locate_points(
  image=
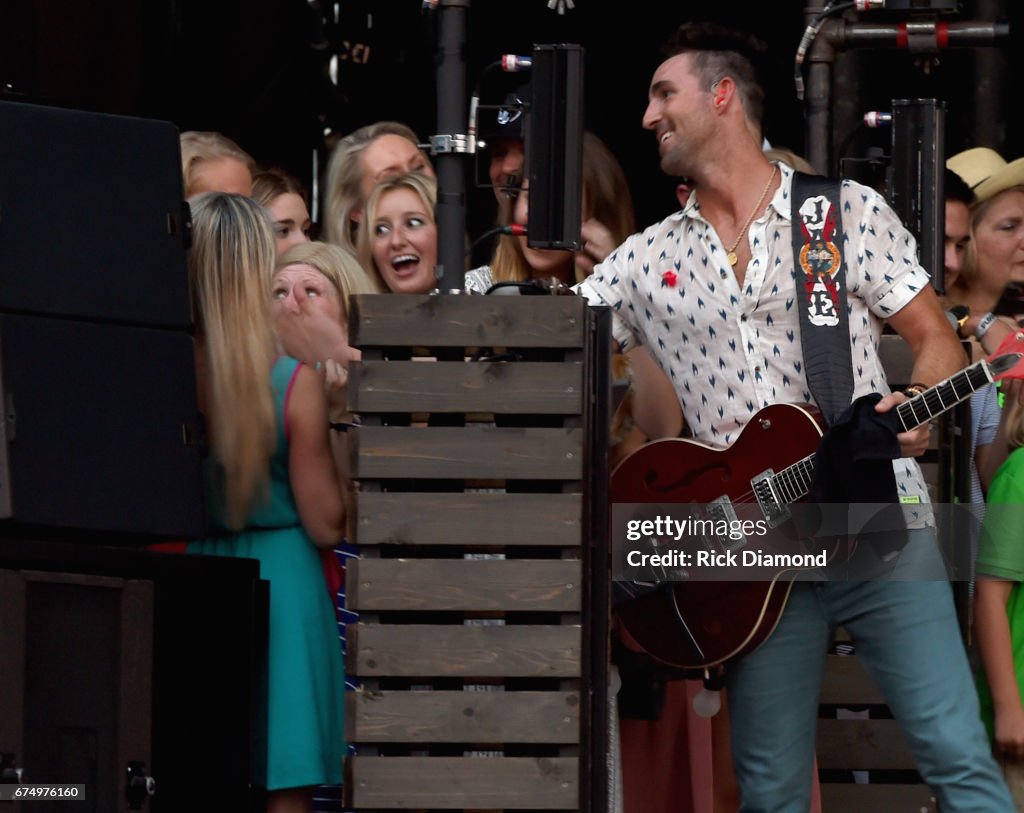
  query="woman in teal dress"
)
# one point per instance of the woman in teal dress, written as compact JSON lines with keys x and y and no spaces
{"x":272,"y":488}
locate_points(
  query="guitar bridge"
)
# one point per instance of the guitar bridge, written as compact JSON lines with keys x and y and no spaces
{"x":775,"y":510}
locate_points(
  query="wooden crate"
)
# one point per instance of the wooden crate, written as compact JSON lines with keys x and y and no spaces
{"x":481,"y":644}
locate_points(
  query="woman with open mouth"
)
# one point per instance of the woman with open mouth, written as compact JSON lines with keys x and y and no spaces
{"x":397,"y":239}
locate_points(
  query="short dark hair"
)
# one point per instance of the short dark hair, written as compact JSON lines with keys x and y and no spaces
{"x":722,"y":51}
{"x":957,"y":188}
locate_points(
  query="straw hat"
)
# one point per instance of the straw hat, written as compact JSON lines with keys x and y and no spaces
{"x":986,"y":172}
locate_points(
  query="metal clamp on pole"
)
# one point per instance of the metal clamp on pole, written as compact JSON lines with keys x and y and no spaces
{"x":456,"y":143}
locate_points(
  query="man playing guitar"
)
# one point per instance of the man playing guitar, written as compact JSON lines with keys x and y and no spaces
{"x":715,"y":294}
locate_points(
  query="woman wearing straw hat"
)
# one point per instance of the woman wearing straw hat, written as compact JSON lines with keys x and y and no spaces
{"x":994,"y":265}
{"x":992,"y":277}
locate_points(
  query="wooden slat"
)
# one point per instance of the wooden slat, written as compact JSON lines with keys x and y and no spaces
{"x":460,"y":584}
{"x":468,"y":717}
{"x":897,"y":360}
{"x":498,"y":453}
{"x":850,"y":798}
{"x":504,"y":388}
{"x":846,"y":681}
{"x":466,"y":321}
{"x":453,"y":783}
{"x":468,"y":519}
{"x":862,"y":745}
{"x":428,"y":650}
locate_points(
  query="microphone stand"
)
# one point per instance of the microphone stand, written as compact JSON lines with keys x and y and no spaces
{"x":449,"y":147}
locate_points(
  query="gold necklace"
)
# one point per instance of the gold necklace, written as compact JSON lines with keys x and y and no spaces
{"x":731,"y":255}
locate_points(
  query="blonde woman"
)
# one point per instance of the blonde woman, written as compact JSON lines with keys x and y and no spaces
{"x":310,"y":289}
{"x":397,"y":238}
{"x":359,"y":162}
{"x":272,"y":488}
{"x":994,"y":260}
{"x":211,"y":162}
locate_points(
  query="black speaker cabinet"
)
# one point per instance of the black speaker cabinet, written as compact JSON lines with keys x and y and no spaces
{"x":554,"y":147}
{"x":102,"y":429}
{"x":135,"y":674}
{"x":91,"y":217}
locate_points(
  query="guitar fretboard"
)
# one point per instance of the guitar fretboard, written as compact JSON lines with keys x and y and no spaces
{"x":793,"y":483}
{"x":944,"y":395}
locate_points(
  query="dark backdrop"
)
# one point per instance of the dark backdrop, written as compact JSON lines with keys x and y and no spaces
{"x":257,"y":70}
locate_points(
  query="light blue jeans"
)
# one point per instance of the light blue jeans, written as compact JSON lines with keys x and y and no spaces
{"x":906,"y":636}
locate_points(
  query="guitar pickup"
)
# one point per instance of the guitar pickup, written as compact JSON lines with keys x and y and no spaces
{"x":775,"y":511}
{"x":721,"y":510}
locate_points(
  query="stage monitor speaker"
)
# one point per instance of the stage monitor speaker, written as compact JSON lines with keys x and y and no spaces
{"x":101,"y":427}
{"x":917,"y":180}
{"x":92,"y":219}
{"x":554,"y":147}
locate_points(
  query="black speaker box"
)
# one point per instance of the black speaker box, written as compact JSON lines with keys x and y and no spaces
{"x":554,"y":147}
{"x":102,"y":428}
{"x":91,"y":217}
{"x":119,"y":658}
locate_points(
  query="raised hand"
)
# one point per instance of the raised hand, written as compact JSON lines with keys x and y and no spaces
{"x":598,"y":243}
{"x":311,"y":335}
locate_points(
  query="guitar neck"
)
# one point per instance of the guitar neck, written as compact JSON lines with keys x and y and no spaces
{"x":944,"y":396}
{"x":793,"y":483}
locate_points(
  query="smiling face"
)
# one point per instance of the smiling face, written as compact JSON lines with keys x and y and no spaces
{"x":404,"y":242}
{"x":999,"y":238}
{"x":679,"y":113}
{"x":299,"y":281}
{"x":291,"y":221}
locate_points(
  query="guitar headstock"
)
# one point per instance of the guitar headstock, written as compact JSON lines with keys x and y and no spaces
{"x":1008,"y":360}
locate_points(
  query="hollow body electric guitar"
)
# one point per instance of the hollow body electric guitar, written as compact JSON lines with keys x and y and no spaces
{"x":693,"y":624}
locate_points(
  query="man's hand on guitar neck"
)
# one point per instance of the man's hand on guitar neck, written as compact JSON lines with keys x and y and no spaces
{"x":915,"y":442}
{"x":937,"y":355}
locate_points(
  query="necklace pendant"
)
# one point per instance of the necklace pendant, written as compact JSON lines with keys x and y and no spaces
{"x":731,"y":257}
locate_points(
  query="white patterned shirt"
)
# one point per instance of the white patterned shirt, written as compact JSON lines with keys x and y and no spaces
{"x":731,"y":351}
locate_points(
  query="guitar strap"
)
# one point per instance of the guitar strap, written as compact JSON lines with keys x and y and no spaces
{"x":821,"y":292}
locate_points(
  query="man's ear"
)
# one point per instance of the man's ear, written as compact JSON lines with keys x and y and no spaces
{"x":724,"y":90}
